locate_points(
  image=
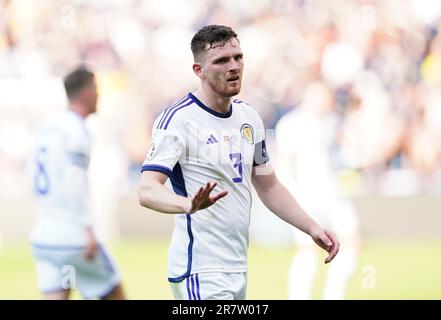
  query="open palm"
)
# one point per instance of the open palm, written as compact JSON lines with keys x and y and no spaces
{"x":202,"y":198}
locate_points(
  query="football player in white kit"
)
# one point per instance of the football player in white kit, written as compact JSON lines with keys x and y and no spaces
{"x":64,"y":245}
{"x":207,"y":141}
{"x":304,"y":141}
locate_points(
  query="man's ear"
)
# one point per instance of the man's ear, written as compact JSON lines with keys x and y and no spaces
{"x":198,"y":70}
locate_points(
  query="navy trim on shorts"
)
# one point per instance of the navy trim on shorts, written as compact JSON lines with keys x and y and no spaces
{"x":192,"y":287}
{"x":193,"y":290}
{"x":198,"y":290}
{"x":188,"y":288}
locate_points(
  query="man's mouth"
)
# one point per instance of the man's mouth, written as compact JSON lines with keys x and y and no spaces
{"x":231,"y":79}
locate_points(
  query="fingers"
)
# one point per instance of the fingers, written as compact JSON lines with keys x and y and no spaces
{"x":202,"y":193}
{"x":199,"y":193}
{"x":212,"y":187}
{"x":324,"y":242}
{"x":202,"y":199}
{"x":335,"y":247}
{"x":328,"y":243}
{"x":331,"y":255}
{"x":195,"y":201}
{"x":218,"y":196}
{"x":208,"y":188}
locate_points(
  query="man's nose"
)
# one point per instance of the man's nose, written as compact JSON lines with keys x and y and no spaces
{"x":233,"y":65}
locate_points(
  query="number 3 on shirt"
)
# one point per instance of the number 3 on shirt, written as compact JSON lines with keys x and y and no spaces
{"x":237,"y":159}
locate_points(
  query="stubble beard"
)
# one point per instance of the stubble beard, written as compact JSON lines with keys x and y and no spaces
{"x":228,"y":92}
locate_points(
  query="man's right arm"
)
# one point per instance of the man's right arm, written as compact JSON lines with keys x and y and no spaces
{"x":154,"y":195}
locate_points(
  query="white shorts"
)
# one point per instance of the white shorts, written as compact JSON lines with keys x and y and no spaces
{"x":211,"y":286}
{"x":62,"y":267}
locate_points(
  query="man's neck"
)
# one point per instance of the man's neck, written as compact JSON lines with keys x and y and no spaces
{"x":213,"y":101}
{"x":78,"y":109}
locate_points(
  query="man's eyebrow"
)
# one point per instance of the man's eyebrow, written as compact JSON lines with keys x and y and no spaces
{"x":227,"y":57}
{"x":221,"y":58}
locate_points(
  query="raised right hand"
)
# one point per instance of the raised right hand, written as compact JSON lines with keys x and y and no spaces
{"x":202,"y":200}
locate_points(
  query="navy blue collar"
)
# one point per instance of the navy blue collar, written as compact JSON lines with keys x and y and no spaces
{"x":214,"y":113}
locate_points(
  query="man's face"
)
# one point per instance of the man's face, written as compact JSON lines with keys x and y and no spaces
{"x":222,"y":68}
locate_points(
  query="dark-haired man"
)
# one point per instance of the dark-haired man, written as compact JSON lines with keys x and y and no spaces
{"x":207,"y":136}
{"x":67,"y":253}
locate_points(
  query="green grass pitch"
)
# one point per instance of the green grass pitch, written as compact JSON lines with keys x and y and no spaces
{"x":403,"y":270}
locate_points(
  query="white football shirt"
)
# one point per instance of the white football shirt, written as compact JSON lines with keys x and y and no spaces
{"x":58,"y":171}
{"x":306,"y":140}
{"x":194,"y":144}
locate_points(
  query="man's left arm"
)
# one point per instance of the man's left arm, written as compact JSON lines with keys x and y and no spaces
{"x":280,"y":201}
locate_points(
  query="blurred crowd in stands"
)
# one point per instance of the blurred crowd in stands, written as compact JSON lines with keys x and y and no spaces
{"x":379,"y":63}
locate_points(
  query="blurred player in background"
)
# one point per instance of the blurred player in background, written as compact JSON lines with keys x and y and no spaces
{"x":207,"y":136}
{"x":304,"y":139}
{"x":66,"y":250}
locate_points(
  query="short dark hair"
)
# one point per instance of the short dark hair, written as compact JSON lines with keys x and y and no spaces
{"x":76,"y":80}
{"x":214,"y":36}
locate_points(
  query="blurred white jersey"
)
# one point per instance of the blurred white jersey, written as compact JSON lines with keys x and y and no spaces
{"x":193,"y":144}
{"x":59,"y":176}
{"x":306,"y":141}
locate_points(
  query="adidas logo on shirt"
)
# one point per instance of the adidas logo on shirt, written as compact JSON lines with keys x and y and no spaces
{"x":212,"y":140}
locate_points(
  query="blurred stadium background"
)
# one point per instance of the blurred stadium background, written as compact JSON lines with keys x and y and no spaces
{"x":381,"y":59}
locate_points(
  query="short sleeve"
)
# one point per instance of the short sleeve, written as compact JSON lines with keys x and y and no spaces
{"x":165,"y":150}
